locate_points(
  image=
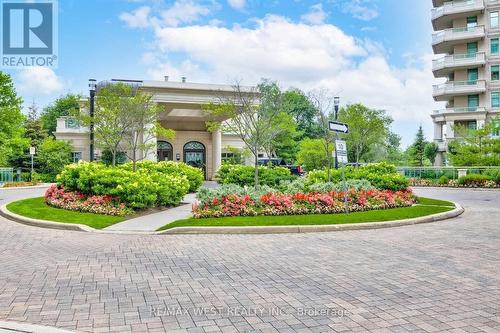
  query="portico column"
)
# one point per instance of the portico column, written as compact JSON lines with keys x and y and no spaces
{"x":450,"y":132}
{"x":216,"y":150}
{"x":438,"y":131}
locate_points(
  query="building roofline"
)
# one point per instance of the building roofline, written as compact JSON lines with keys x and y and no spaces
{"x":153,"y":84}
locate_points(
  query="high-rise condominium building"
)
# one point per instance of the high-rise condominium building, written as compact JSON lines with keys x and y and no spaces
{"x":467,"y":35}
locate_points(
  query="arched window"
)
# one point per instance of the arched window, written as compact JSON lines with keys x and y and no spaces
{"x":165,"y":151}
{"x":195,"y":155}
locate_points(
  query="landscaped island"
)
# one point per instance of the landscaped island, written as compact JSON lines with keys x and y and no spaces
{"x":98,"y":195}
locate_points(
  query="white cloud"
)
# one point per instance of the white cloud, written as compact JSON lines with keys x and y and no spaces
{"x":316,"y":15}
{"x":302,"y":55}
{"x":184,"y":11}
{"x":237,"y":4}
{"x":139,"y":18}
{"x":364,"y":10}
{"x":180,"y":12}
{"x":39,"y":80}
{"x":275,"y":47}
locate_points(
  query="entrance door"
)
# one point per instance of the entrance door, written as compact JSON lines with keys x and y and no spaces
{"x":165,"y":151}
{"x":195,"y":155}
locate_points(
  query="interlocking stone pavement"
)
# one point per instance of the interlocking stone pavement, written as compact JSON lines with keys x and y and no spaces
{"x":438,"y":277}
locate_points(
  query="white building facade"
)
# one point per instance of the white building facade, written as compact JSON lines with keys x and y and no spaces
{"x":193,"y":143}
{"x":467,"y":35}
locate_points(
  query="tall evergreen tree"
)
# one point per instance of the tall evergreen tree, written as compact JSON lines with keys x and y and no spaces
{"x":417,"y":151}
{"x":33,"y":125}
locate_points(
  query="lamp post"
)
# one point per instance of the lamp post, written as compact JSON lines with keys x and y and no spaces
{"x":336,"y":103}
{"x":92,"y":89}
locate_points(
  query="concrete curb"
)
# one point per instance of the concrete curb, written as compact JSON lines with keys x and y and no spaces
{"x":29,"y":328}
{"x":314,"y":228}
{"x":238,"y":230}
{"x":47,"y":185}
{"x":42,"y":223}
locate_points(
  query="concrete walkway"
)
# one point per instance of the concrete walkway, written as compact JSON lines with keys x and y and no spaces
{"x":154,"y":221}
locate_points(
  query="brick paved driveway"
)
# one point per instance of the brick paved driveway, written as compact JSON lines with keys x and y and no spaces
{"x":435,"y":277}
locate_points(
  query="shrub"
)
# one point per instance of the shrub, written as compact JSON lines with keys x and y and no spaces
{"x":295,"y":186}
{"x":494,"y":174}
{"x":53,"y":155}
{"x":206,"y":195}
{"x":244,"y":175}
{"x":194,"y":175}
{"x":443,"y":180}
{"x":137,"y":190}
{"x":474,"y":180}
{"x":381,"y":175}
{"x":356,"y":184}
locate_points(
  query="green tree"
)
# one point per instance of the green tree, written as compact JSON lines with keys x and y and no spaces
{"x":34,"y":134}
{"x":323,"y":102}
{"x":111,"y":124}
{"x":367,"y":128}
{"x":64,"y":106}
{"x":250,"y":118}
{"x":140,"y":116}
{"x":33,"y":125}
{"x":12,"y":143}
{"x":477,"y":148}
{"x":281,"y":142}
{"x":311,"y":155}
{"x":284,"y":144}
{"x":53,"y":155}
{"x":431,"y":151}
{"x":417,"y":150}
{"x":300,"y":107}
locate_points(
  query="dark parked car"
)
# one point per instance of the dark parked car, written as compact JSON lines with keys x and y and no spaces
{"x":294,"y":169}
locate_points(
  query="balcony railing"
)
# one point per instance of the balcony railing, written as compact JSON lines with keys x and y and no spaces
{"x":455,"y":110}
{"x":459,"y":87}
{"x":457,"y":34}
{"x":458,"y":60}
{"x":455,"y":7}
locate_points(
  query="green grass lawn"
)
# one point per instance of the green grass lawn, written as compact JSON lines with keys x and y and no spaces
{"x":434,"y":202}
{"x":36,"y":208}
{"x":429,"y":207}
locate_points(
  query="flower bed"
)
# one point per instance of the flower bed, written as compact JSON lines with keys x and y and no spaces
{"x":302,"y":203}
{"x":98,"y":204}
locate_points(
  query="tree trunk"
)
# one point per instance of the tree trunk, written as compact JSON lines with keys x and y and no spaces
{"x":114,"y":158}
{"x":256,"y":176}
{"x":134,"y":159}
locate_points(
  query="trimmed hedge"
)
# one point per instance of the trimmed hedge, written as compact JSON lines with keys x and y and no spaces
{"x":193,"y":175}
{"x":136,"y":190}
{"x":243,"y":175}
{"x":474,"y":180}
{"x":381,"y":175}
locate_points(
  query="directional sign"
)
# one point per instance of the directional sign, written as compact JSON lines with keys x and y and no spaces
{"x":335,"y":126}
{"x":341,"y":149}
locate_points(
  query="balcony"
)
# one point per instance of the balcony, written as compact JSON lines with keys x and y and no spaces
{"x":448,"y":64}
{"x":444,"y":40}
{"x":446,"y":91}
{"x":460,"y":110}
{"x":443,"y":16}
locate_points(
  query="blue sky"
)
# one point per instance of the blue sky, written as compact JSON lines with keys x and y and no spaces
{"x":372,"y":51}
